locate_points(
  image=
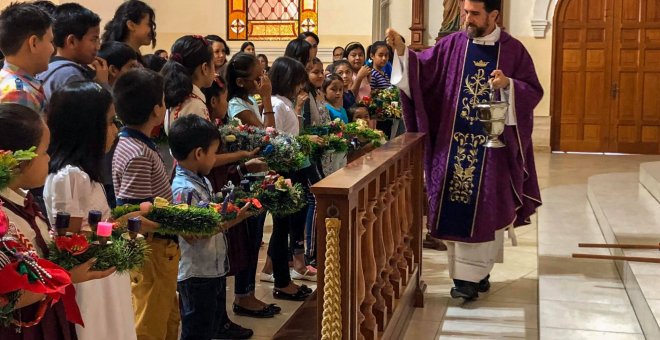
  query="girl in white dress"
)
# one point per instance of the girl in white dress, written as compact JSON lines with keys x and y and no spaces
{"x":82,"y":124}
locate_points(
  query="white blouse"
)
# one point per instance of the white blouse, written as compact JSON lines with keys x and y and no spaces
{"x":71,"y":190}
{"x":195,"y":104}
{"x":286,"y":119}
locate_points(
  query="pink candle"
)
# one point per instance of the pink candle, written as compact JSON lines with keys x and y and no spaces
{"x":104,"y":229}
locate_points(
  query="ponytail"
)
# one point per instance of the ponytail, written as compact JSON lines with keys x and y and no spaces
{"x":188,"y":53}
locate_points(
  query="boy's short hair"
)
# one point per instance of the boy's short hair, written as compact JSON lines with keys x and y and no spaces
{"x":72,"y":18}
{"x":117,"y":53}
{"x":18,"y":22}
{"x":189,"y":133}
{"x":136,"y":94}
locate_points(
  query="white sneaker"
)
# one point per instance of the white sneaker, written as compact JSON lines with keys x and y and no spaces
{"x":308,"y":276}
{"x":265,"y":277}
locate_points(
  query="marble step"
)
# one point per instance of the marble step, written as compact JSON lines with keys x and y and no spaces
{"x":649,"y":177}
{"x":578,"y":299}
{"x":628,"y":213}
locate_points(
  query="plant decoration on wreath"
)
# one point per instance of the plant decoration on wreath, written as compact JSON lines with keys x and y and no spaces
{"x":383,"y":103}
{"x":280,"y":151}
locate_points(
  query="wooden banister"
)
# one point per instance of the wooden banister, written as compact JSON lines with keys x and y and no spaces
{"x":378,"y":200}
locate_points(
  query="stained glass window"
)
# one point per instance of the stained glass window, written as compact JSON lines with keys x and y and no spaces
{"x":271,"y":19}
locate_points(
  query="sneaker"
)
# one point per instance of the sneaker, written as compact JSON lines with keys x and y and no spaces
{"x":265,"y":277}
{"x":307,"y":276}
{"x":233,"y":331}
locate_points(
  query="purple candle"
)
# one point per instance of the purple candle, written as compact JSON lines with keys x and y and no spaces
{"x":134,"y":225}
{"x":245,"y":184}
{"x":270,"y":187}
{"x":62,"y":220}
{"x":93,"y":218}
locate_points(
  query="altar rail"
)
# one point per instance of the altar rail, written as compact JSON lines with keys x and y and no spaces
{"x":373,"y":282}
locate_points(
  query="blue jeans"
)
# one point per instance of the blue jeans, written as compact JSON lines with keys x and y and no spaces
{"x":202,"y":302}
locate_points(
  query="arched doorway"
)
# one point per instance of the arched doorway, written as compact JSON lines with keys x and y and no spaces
{"x":606,"y":76}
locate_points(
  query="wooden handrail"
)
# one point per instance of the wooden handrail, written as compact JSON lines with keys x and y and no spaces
{"x":378,"y":200}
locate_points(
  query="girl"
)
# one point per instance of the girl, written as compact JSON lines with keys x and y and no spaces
{"x":220,"y":53}
{"x":337,"y":54}
{"x":380,"y":54}
{"x":343,"y":69}
{"x":313,"y":41}
{"x":263,"y":60}
{"x":189,"y":69}
{"x":134,"y":23}
{"x":153,"y":62}
{"x":289,"y":77}
{"x":246,"y":77}
{"x":82,"y":131}
{"x":355,"y":53}
{"x":299,"y":49}
{"x":21,"y":129}
{"x":216,"y":100}
{"x":314,"y":111}
{"x":248,"y":47}
{"x":333,"y":87}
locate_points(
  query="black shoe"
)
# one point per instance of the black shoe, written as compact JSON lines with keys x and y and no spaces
{"x":300,"y":295}
{"x":233,"y":331}
{"x":484,"y":285}
{"x":306,"y":289}
{"x":275,"y":308}
{"x":465,"y":289}
{"x":266,"y":312}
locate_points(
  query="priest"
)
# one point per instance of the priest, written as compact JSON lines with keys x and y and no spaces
{"x":475,"y":193}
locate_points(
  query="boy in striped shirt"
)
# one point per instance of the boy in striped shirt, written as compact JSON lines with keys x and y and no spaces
{"x":139,"y":175}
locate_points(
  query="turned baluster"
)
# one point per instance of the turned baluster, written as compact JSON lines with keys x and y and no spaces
{"x":393,"y":208}
{"x":369,"y":327}
{"x":380,"y":307}
{"x":388,"y":290}
{"x":403,"y":221}
{"x":409,"y":223}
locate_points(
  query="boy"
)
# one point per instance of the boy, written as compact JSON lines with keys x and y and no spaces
{"x":139,"y":175}
{"x":202,"y":284}
{"x":26,"y":41}
{"x":120,"y":58}
{"x":76,"y":34}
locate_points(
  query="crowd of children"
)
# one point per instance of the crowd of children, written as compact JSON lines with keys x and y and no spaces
{"x":91,"y":103}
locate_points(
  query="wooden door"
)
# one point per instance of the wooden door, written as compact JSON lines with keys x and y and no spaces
{"x":606,"y":77}
{"x":635,"y":113}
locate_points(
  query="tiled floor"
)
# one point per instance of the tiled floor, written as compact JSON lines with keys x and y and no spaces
{"x":510,"y":309}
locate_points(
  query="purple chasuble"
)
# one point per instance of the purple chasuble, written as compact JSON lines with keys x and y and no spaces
{"x":508,"y":190}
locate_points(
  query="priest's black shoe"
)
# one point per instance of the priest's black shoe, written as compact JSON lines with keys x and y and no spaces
{"x":484,"y":285}
{"x":465,"y":290}
{"x":233,"y":331}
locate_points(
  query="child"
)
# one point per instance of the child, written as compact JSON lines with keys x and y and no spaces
{"x":248,"y":47}
{"x":379,"y":54}
{"x":76,"y":32}
{"x":26,"y":40}
{"x":313,"y":41}
{"x":314,"y":111}
{"x":202,"y":284}
{"x":189,"y":69}
{"x":139,"y":175}
{"x":343,"y":69}
{"x":216,"y":100}
{"x":23,"y":128}
{"x":81,"y":121}
{"x":355,"y":53}
{"x":289,"y":77}
{"x":299,"y":49}
{"x":162,"y":54}
{"x":153,"y":62}
{"x":333,"y":87}
{"x":120,"y":58}
{"x":134,"y":23}
{"x":263,"y":60}
{"x":246,"y":77}
{"x":220,"y":53}
{"x":337,"y":54}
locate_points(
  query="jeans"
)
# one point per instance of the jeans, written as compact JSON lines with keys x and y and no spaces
{"x":313,"y":176}
{"x":203,"y":307}
{"x":245,"y":280}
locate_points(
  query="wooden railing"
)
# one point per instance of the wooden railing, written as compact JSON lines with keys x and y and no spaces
{"x":378,"y":202}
